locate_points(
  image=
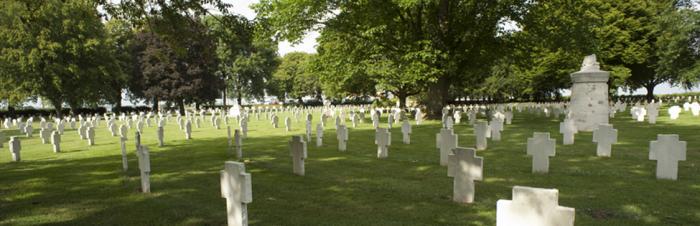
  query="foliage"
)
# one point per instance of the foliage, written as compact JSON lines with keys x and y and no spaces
{"x":294,"y":78}
{"x":445,"y":44}
{"x":57,"y":50}
{"x":175,"y":76}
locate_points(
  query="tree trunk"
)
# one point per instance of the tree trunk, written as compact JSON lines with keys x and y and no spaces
{"x":437,"y":98}
{"x":58,"y":105}
{"x":154,"y":107}
{"x":73,"y":109}
{"x":402,"y":100}
{"x":181,"y":106}
{"x":223,"y":96}
{"x":239,"y":97}
{"x":10,"y":111}
{"x":196,"y":106}
{"x":650,"y":91}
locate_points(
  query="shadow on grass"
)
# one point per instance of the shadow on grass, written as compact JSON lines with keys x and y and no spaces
{"x":352,"y":187}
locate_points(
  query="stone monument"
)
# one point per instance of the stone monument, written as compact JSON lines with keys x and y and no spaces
{"x":589,"y":95}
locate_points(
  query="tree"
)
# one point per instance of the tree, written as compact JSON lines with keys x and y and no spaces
{"x":456,"y":41}
{"x":57,"y":50}
{"x":120,"y":36}
{"x":294,"y":78}
{"x":246,"y":58}
{"x":340,"y":67}
{"x":177,"y":74}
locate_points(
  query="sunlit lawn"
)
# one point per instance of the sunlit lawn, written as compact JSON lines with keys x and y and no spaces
{"x":86,"y":186}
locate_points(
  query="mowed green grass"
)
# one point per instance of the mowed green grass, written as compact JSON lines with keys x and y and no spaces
{"x":85,"y":185}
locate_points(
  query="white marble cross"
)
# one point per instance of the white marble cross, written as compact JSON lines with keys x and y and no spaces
{"x":496,"y":125}
{"x":568,"y":129}
{"x":445,"y":141}
{"x":29,"y":130}
{"x":45,"y":135}
{"x":15,"y":148}
{"x":319,"y":135}
{"x":123,"y":131}
{"x":145,"y":167}
{"x":449,"y":123}
{"x":540,"y":147}
{"x":383,"y":141}
{"x":480,"y":131}
{"x":275,"y":121}
{"x":458,"y":117}
{"x":418,"y":116}
{"x":652,"y":112}
{"x":287,"y":124}
{"x":465,"y":167}
{"x":125,"y":161}
{"x":188,"y":129}
{"x":509,"y":117}
{"x":297,"y":149}
{"x":236,"y":188}
{"x":161,"y":135}
{"x":390,"y":119}
{"x":238,"y":143}
{"x":533,"y":207}
{"x":406,"y":131}
{"x":113,"y":129}
{"x":90,"y":131}
{"x":56,"y":141}
{"x":342,"y":136}
{"x":338,"y":121}
{"x":244,"y":127}
{"x":673,"y":112}
{"x":605,"y":136}
{"x":667,"y":150}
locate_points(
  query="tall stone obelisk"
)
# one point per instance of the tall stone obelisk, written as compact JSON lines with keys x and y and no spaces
{"x":589,"y":95}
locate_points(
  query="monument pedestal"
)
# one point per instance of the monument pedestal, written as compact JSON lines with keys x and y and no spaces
{"x":589,"y":96}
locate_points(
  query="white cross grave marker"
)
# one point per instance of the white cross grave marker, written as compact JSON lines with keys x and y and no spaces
{"x":480,"y":132}
{"x":236,"y":188}
{"x":319,"y":135}
{"x":567,"y":128}
{"x":540,"y":147}
{"x":605,"y":136}
{"x":56,"y":141}
{"x":15,"y":148}
{"x":383,"y":141}
{"x":667,"y":150}
{"x":297,"y":149}
{"x":465,"y":167}
{"x":533,"y":207}
{"x":406,"y":131}
{"x":90,"y":135}
{"x":445,"y":141}
{"x":342,"y":136}
{"x":238,"y":143}
{"x":145,"y":167}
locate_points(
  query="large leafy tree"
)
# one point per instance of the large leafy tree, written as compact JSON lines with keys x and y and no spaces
{"x":341,"y":69}
{"x":455,"y":41}
{"x":247,"y":59}
{"x":294,"y":78}
{"x":177,"y":74}
{"x":642,"y":42}
{"x":57,"y":50}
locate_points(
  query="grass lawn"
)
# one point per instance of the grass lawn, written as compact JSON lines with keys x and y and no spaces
{"x":86,"y":186}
